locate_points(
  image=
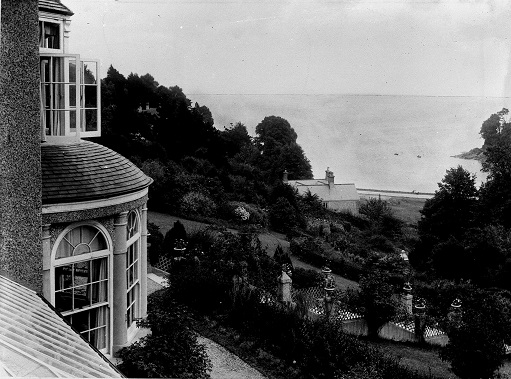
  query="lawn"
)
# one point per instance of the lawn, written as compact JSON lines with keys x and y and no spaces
{"x":406,"y":209}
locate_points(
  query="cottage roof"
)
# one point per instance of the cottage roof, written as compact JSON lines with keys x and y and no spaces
{"x":36,"y":342}
{"x":320,"y":187}
{"x":85,"y":171}
{"x":54,"y":6}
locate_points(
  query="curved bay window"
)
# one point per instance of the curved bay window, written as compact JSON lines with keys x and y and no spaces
{"x":133,"y":270}
{"x":81,"y":282}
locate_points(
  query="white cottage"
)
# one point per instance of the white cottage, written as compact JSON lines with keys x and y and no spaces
{"x":342,"y":197}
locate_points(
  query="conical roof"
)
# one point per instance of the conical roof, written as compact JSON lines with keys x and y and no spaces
{"x":84,"y":171}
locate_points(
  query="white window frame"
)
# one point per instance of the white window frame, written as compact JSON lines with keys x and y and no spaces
{"x":135,"y":239}
{"x":67,"y":107}
{"x":106,"y":253}
{"x":83,"y":132}
{"x":61,"y":35}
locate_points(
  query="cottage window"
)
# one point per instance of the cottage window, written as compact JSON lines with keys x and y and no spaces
{"x":81,"y":282}
{"x":132,"y":271}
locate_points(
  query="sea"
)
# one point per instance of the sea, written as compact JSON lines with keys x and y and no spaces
{"x":384,"y":142}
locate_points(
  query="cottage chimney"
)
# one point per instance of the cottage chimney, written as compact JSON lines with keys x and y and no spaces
{"x":284,"y":177}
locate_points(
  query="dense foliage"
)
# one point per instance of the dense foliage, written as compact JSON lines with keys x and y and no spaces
{"x":477,"y":334}
{"x":171,"y":349}
{"x":234,"y":282}
{"x":464,"y":231}
{"x":464,"y":251}
{"x":198,"y":170}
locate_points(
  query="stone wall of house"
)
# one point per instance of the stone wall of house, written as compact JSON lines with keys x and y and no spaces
{"x":344,"y":206}
{"x":20,"y":138}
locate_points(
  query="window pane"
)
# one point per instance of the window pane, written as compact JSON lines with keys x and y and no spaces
{"x":63,"y":278}
{"x":64,"y":250}
{"x":98,"y":317}
{"x":88,"y":233}
{"x":99,"y":292}
{"x":90,"y":72}
{"x":98,"y":243}
{"x":49,"y":35}
{"x":97,"y":338}
{"x":81,"y":249}
{"x":74,"y":236}
{"x":81,"y":273}
{"x":90,"y":120}
{"x":129,"y":258}
{"x":90,"y":96}
{"x":82,"y":297}
{"x":99,"y":269}
{"x":64,"y":300}
{"x":135,"y":251}
{"x":72,"y":95}
{"x":71,"y":69}
{"x":80,"y":321}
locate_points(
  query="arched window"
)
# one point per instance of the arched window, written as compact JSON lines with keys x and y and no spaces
{"x":133,"y":270}
{"x":81,"y":282}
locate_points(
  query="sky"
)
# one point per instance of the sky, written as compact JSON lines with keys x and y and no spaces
{"x":397,"y":47}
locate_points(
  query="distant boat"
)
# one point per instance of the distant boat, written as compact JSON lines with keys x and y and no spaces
{"x":396,"y":154}
{"x":418,"y":156}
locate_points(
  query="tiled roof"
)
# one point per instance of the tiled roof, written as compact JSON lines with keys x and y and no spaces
{"x":36,"y":342}
{"x":54,"y":6}
{"x":85,"y":171}
{"x":320,"y":187}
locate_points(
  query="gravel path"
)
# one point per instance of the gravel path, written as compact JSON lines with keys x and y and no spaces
{"x":227,"y":365}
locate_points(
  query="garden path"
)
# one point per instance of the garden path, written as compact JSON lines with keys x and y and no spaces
{"x":225,"y":364}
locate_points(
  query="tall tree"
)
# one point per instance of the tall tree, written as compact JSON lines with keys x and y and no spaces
{"x":276,"y":140}
{"x":453,"y":207}
{"x":495,"y":193}
{"x":493,"y":127}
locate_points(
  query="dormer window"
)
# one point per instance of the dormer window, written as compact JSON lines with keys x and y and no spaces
{"x":50,"y":35}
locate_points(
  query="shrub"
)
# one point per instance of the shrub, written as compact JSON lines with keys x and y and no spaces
{"x":306,"y":278}
{"x":283,"y":216}
{"x":381,"y":243}
{"x":197,"y":204}
{"x":171,"y":350}
{"x":256,"y":216}
{"x":311,"y":250}
{"x":176,"y":233}
{"x":476,"y":339}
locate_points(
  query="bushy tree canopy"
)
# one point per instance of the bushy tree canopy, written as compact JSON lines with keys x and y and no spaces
{"x":453,"y":207}
{"x":477,"y":336}
{"x":276,"y":140}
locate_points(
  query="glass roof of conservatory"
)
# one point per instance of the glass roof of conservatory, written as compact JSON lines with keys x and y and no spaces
{"x":36,"y":342}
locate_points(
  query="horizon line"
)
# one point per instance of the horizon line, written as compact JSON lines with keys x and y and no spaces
{"x":345,"y":94}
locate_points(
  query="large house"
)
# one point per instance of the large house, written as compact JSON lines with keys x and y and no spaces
{"x":337,"y":197}
{"x":73,"y":216}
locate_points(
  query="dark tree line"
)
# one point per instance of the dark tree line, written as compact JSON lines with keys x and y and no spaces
{"x":196,"y":167}
{"x":465,"y":231}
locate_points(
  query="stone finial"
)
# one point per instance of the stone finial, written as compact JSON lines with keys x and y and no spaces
{"x":285,"y":284}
